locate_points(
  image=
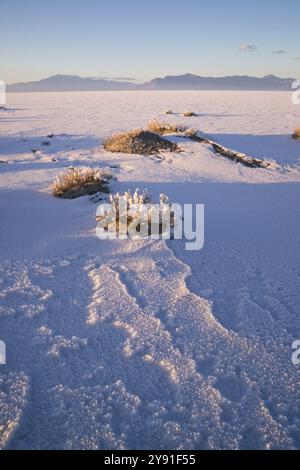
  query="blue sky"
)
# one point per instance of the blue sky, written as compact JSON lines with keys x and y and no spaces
{"x":146,"y":39}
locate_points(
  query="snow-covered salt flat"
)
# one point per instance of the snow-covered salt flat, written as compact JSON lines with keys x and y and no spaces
{"x":142,"y":344}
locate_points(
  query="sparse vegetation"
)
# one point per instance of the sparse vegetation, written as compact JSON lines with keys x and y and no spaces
{"x":140,"y":142}
{"x":166,"y":128}
{"x":135,"y":212}
{"x":162,"y":128}
{"x":80,"y":181}
{"x":193,"y":134}
{"x":169,"y":111}
{"x":147,"y":142}
{"x":190,"y":114}
{"x":296,"y":134}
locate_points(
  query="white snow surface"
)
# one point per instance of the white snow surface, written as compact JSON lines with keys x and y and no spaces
{"x":141,"y":344}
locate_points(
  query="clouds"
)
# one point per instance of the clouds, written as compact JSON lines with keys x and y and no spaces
{"x":282,"y":51}
{"x":244,"y":47}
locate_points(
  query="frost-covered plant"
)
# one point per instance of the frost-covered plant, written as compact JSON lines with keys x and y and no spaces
{"x":136,"y":209}
{"x":296,"y":134}
{"x":77,"y":178}
{"x":137,"y":198}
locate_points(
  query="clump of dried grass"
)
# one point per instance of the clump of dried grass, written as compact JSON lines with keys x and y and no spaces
{"x":189,"y":114}
{"x":296,"y":134}
{"x":139,"y":141}
{"x":191,"y":133}
{"x":80,"y":181}
{"x":166,"y":128}
{"x":161,"y":127}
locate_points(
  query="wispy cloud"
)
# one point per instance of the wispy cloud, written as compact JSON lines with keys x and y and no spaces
{"x":279,"y":51}
{"x":244,"y":47}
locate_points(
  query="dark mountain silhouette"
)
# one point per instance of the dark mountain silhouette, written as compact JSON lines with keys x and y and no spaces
{"x":176,"y":82}
{"x":236,"y":82}
{"x":70,"y":83}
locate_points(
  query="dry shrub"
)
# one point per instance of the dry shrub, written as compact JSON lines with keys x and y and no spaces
{"x":138,"y":141}
{"x":80,"y":181}
{"x":162,"y":128}
{"x":191,"y":133}
{"x":169,"y":111}
{"x":166,"y":128}
{"x":190,"y":114}
{"x":296,"y":134}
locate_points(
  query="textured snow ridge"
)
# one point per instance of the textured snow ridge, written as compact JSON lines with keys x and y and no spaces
{"x":213,"y":370}
{"x":133,"y":359}
{"x":130,"y":358}
{"x":13,"y":390}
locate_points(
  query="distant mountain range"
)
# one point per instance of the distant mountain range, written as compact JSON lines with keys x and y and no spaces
{"x":236,"y":82}
{"x":177,"y":82}
{"x":70,"y":83}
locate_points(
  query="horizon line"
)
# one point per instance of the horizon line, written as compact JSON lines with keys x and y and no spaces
{"x":137,"y":82}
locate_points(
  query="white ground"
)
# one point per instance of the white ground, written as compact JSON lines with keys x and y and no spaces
{"x":123,"y":344}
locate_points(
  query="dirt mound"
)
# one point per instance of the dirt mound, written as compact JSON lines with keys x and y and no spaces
{"x":139,"y":142}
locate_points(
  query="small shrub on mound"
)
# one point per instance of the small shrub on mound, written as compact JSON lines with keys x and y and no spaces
{"x":139,"y":142}
{"x":189,"y":114}
{"x":80,"y":181}
{"x":296,"y":134}
{"x":169,"y":111}
{"x":165,"y":128}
